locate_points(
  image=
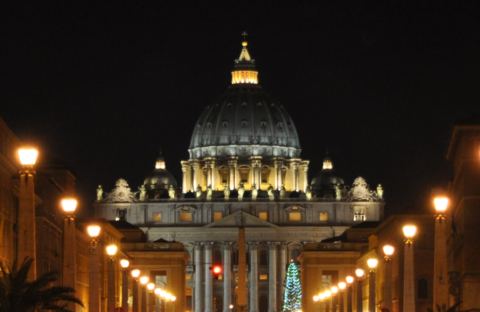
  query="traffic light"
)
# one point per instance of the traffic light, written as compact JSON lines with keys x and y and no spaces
{"x":217,"y":271}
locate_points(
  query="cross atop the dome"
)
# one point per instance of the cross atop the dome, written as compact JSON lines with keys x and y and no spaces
{"x":244,"y":42}
{"x":244,"y":69}
{"x":244,"y":55}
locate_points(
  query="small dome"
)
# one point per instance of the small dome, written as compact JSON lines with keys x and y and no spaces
{"x":159,"y":180}
{"x":326,"y":184}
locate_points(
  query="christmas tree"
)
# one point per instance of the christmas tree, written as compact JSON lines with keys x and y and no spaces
{"x":292,"y":298}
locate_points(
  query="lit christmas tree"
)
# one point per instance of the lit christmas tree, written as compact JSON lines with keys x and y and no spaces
{"x":292,"y":298}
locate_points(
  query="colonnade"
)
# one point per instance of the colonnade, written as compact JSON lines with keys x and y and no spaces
{"x":203,"y":277}
{"x":291,"y":174}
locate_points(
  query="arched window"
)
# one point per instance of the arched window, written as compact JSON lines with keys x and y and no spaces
{"x":323,"y":216}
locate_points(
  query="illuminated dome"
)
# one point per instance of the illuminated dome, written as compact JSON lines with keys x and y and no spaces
{"x":159,"y":181}
{"x":326,"y":184}
{"x":245,"y":121}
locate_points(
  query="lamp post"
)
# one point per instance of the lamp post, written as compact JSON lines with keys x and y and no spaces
{"x":135,"y":275}
{"x":111,"y":251}
{"x":359,"y":273}
{"x":342,"y":286}
{"x":124,"y":264}
{"x":150,"y":289}
{"x":93,"y":231}
{"x":349,"y":279}
{"x":327,"y":300}
{"x":27,"y":157}
{"x":144,"y":279}
{"x":440,"y":280}
{"x":372,"y":264}
{"x":409,"y":232}
{"x":334,"y":291}
{"x":69,"y":276}
{"x":388,"y":251}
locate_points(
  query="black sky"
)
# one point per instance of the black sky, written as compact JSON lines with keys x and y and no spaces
{"x":100,"y":87}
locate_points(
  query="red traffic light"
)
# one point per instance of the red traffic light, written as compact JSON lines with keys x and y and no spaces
{"x":217,"y":269}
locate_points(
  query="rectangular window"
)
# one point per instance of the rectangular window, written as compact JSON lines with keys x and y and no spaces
{"x":263,"y":215}
{"x":323,"y":216}
{"x":186,"y":216}
{"x":157,"y":217}
{"x":263,"y":277}
{"x":295,"y":216}
{"x":217,"y":215}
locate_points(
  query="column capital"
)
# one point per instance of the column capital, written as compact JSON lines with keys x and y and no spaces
{"x":253,"y":245}
{"x":273,"y":244}
{"x":227,"y":245}
{"x":208,"y":245}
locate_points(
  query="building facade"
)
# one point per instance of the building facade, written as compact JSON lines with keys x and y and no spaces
{"x":244,"y":170}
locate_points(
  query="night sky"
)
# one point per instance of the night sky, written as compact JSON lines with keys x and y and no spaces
{"x":101,"y":87}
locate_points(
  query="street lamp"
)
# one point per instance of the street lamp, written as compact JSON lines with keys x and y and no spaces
{"x":135,"y":275}
{"x":69,"y":206}
{"x":93,"y":231}
{"x":372,"y":264}
{"x":388,"y":251}
{"x":409,"y":232}
{"x":27,"y":157}
{"x":341,"y":295}
{"x":440,"y":270}
{"x":327,"y":294}
{"x":359,"y":273}
{"x":111,"y":250}
{"x":334,"y":290}
{"x":150,"y":289}
{"x":349,"y":279}
{"x":124,"y":264}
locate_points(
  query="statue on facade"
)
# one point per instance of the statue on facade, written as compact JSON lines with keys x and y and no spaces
{"x":198,"y":191}
{"x":241,"y":191}
{"x":99,"y":193}
{"x":171,"y":192}
{"x":142,"y":193}
{"x":226,"y":191}
{"x":271,"y":195}
{"x":121,"y":193}
{"x":309,"y":194}
{"x":283,"y":192}
{"x":360,"y":191}
{"x":209,"y":192}
{"x":338,"y":192}
{"x":380,"y":191}
{"x":254,"y":192}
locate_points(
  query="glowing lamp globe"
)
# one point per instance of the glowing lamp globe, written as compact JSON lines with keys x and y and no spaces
{"x":327,"y":293}
{"x":342,"y":285}
{"x":230,"y":306}
{"x":349,"y":279}
{"x":388,"y":250}
{"x":158,"y":291}
{"x":334,"y":289}
{"x":372,"y":263}
{"x":27,"y":156}
{"x":124,"y":263}
{"x":409,"y":231}
{"x":150,"y":286}
{"x":360,"y":273}
{"x":135,"y":273}
{"x":440,"y":203}
{"x":111,"y":250}
{"x":69,"y":205}
{"x":316,"y":298}
{"x":144,"y":280}
{"x":93,"y":230}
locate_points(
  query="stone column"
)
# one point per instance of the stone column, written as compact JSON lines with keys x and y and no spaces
{"x":208,"y":278}
{"x":272,"y":277}
{"x":198,"y":295}
{"x":283,"y":267}
{"x":187,"y":176}
{"x":440,"y":276}
{"x":303,"y":176}
{"x":408,"y":278}
{"x":197,"y":174}
{"x":294,"y":169}
{"x":232,"y":171}
{"x":253,"y":278}
{"x":277,"y":167}
{"x":256,"y":165}
{"x":227,"y":276}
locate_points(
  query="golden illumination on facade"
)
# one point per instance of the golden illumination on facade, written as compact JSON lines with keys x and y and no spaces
{"x":217,"y":215}
{"x":295,"y":216}
{"x":244,"y":76}
{"x":186,"y":216}
{"x":263,"y":215}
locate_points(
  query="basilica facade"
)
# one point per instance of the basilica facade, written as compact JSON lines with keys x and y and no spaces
{"x":245,"y":169}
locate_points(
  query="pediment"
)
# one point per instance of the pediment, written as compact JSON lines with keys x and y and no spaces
{"x":241,"y":218}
